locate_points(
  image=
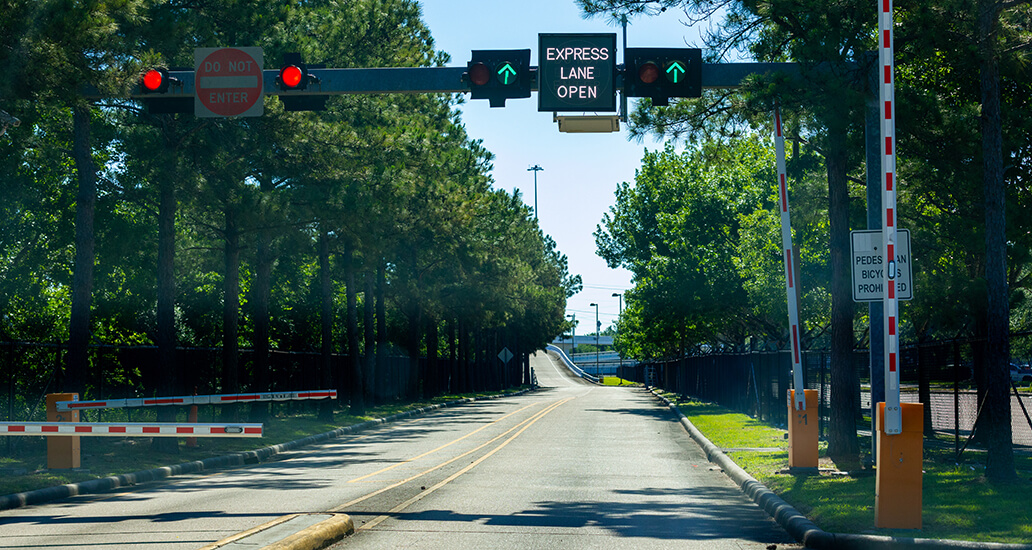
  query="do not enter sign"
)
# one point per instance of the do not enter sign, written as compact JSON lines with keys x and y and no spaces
{"x":228,"y":82}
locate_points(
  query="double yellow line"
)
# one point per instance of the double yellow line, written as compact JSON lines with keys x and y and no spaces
{"x":518,"y":429}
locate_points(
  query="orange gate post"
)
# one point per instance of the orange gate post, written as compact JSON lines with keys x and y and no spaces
{"x":802,"y":432}
{"x":62,"y":450}
{"x":897,"y":490}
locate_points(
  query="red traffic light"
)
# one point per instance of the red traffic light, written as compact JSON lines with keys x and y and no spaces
{"x":479,"y":74}
{"x":155,"y":81}
{"x":292,"y":77}
{"x":648,"y":72}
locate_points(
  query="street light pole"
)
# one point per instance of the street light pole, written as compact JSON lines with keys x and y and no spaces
{"x":536,"y":168}
{"x":573,"y":331}
{"x":598,"y":329}
{"x":618,"y":319}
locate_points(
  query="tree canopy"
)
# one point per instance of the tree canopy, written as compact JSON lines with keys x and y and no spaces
{"x":218,"y":232}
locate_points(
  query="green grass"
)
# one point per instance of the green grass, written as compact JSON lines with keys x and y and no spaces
{"x":615,"y":381}
{"x":106,"y":456}
{"x":958,"y":502}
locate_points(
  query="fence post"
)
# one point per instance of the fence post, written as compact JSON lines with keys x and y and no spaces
{"x":822,"y":396}
{"x":956,"y":396}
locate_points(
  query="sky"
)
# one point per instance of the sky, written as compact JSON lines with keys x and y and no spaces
{"x":580,"y":171}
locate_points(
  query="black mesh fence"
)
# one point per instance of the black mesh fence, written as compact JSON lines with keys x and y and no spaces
{"x":29,"y":371}
{"x":938,"y":374}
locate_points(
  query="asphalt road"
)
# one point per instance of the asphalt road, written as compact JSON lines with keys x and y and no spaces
{"x":569,"y":466}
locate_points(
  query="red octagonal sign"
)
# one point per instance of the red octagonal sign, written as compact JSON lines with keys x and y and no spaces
{"x":228,"y":82}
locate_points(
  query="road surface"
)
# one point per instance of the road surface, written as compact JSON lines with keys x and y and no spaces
{"x":569,"y":466}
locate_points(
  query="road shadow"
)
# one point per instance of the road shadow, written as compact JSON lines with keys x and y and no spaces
{"x":690,"y":514}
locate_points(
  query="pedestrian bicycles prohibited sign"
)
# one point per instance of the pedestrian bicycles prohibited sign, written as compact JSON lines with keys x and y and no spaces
{"x":868,"y":261}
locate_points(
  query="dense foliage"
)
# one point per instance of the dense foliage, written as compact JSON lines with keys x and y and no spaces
{"x":962,"y":83}
{"x":370,"y":229}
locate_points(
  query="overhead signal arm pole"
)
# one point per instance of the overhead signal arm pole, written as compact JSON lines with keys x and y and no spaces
{"x":424,"y":80}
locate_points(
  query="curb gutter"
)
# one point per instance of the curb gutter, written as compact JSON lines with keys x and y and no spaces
{"x":103,"y":485}
{"x":799,"y":526}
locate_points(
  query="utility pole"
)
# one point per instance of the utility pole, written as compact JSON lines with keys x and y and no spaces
{"x":618,"y":319}
{"x":598,"y":328}
{"x":536,"y":168}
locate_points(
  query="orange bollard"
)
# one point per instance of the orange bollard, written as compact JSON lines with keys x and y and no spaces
{"x":897,"y":500}
{"x":63,"y":451}
{"x":802,"y":432}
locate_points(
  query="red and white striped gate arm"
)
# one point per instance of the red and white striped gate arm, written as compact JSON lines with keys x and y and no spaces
{"x":893,"y":415}
{"x":195,"y":400}
{"x":131,"y":429}
{"x":791,"y":277}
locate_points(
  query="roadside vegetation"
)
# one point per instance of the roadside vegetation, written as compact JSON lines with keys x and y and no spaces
{"x":959,"y":502}
{"x":699,"y":227}
{"x":149,"y":252}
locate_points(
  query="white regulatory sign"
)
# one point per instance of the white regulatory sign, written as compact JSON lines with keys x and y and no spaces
{"x":868,"y":262}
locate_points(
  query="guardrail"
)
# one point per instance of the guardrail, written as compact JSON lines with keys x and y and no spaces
{"x":570,"y":364}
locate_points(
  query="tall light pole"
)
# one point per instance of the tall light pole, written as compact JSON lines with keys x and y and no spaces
{"x":618,"y":319}
{"x":598,"y":329}
{"x":536,"y":168}
{"x":573,"y":330}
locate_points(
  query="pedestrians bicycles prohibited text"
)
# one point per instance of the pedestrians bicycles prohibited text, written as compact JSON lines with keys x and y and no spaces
{"x":228,"y":82}
{"x":576,"y":72}
{"x":869,"y":266}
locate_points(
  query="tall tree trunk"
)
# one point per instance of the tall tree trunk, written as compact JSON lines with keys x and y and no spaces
{"x":82,"y":283}
{"x":383,"y":378}
{"x":434,"y":376}
{"x":415,"y":369}
{"x":231,"y":310}
{"x":354,"y":368}
{"x":453,"y":359}
{"x":262,"y":297}
{"x":464,"y":383}
{"x":369,"y":329}
{"x":843,"y":443}
{"x":168,"y":384}
{"x":1000,"y":464}
{"x":326,"y":318}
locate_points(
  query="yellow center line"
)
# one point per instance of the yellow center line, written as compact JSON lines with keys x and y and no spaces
{"x":526,"y":425}
{"x":446,"y":445}
{"x":527,"y":422}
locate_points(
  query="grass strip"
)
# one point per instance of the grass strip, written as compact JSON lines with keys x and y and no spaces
{"x":959,"y":503}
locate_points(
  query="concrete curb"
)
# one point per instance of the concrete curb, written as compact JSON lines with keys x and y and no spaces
{"x":103,"y":485}
{"x":318,"y":536}
{"x":799,"y":526}
{"x":314,"y":537}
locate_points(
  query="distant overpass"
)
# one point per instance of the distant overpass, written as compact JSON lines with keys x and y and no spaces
{"x":608,"y":361}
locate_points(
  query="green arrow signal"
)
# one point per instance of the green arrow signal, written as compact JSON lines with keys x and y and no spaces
{"x":675,"y":70}
{"x":506,"y":74}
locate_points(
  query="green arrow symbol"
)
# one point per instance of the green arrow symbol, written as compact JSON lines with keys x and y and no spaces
{"x":506,"y":72}
{"x":674,"y":71}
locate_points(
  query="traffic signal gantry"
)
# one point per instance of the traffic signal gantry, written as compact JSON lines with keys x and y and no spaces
{"x":575,"y":72}
{"x":295,"y":77}
{"x":497,"y":75}
{"x":662,"y":73}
